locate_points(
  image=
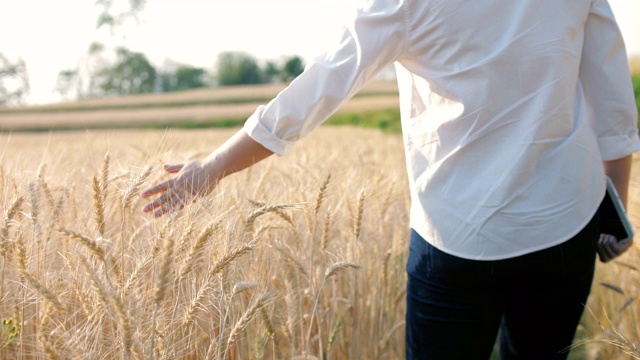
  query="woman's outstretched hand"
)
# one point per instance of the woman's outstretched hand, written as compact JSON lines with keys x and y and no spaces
{"x":192,"y":180}
{"x":198,"y":178}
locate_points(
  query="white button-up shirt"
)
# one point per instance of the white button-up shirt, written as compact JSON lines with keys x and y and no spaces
{"x":508,"y":109}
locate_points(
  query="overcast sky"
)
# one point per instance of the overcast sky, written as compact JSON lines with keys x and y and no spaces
{"x":52,"y":35}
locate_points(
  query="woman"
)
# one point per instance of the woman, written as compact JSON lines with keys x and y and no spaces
{"x":513,"y":113}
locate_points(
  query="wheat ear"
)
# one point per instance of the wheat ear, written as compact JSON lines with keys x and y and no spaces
{"x":135,"y":275}
{"x":97,"y":285}
{"x":324,"y":243}
{"x":16,"y":204}
{"x":334,"y":333}
{"x":357,"y":224}
{"x":263,"y":210}
{"x":332,"y":271}
{"x":293,"y":262}
{"x":35,"y":201}
{"x":104,"y":181}
{"x":321,"y":194}
{"x":125,"y":322}
{"x":134,"y":187}
{"x":91,"y":244}
{"x":43,"y":290}
{"x":196,"y":249}
{"x":229,"y":257}
{"x":98,"y":205}
{"x":193,"y":305}
{"x":165,"y":267}
{"x":247,"y":316}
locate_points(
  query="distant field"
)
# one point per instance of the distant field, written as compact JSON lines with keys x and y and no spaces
{"x":218,"y":107}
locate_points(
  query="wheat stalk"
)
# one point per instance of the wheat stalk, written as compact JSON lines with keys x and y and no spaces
{"x":162,"y":280}
{"x":104,"y":181}
{"x":334,"y":333}
{"x":21,"y":254}
{"x":229,"y":257}
{"x":293,"y":262}
{"x":332,"y":271}
{"x":133,"y":188}
{"x":43,"y":290}
{"x":35,"y":200}
{"x":193,"y":305}
{"x":247,"y":316}
{"x":339,"y":267}
{"x":135,"y":275}
{"x":185,"y":239}
{"x":242,"y":286}
{"x":13,"y":210}
{"x":264,"y":210}
{"x":50,"y":352}
{"x":357,"y":223}
{"x":124,"y":318}
{"x":165,"y":267}
{"x":321,"y":194}
{"x":196,"y":250}
{"x":284,"y":216}
{"x":324,"y":243}
{"x":91,"y":244}
{"x":99,"y":288}
{"x":99,"y":205}
{"x":267,"y":323}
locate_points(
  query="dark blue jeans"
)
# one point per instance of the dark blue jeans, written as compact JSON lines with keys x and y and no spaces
{"x":456,"y":306}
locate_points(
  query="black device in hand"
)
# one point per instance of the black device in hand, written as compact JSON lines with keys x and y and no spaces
{"x":613,"y":217}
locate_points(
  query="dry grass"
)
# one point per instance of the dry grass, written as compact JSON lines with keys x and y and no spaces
{"x":301,"y":258}
{"x":259,"y":270}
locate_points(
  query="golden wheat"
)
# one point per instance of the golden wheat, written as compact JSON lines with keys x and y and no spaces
{"x":94,"y":277}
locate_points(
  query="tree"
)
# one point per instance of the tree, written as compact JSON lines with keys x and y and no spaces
{"x":183,"y":77}
{"x":235,"y":68}
{"x":14,"y":82}
{"x":132,"y":74}
{"x":271,"y":72}
{"x":292,"y":68}
{"x":68,"y":82}
{"x":115,"y":13}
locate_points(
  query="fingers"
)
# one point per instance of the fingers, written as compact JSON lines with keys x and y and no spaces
{"x":604,"y":248}
{"x":172,"y":169}
{"x":168,"y":202}
{"x":172,"y":197}
{"x":609,"y":248}
{"x":160,"y":188}
{"x":169,"y":207}
{"x":620,"y":248}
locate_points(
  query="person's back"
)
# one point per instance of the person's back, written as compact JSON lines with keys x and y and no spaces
{"x":496,"y":122}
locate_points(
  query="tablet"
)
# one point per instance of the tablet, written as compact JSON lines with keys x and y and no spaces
{"x":613,"y":218}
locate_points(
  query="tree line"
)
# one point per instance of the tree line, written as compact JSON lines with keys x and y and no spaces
{"x":133,"y":73}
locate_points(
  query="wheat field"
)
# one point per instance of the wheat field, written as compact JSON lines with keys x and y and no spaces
{"x":295,"y":258}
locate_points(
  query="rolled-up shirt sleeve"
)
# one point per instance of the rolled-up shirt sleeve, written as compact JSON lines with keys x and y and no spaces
{"x":370,"y":43}
{"x":606,"y":82}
